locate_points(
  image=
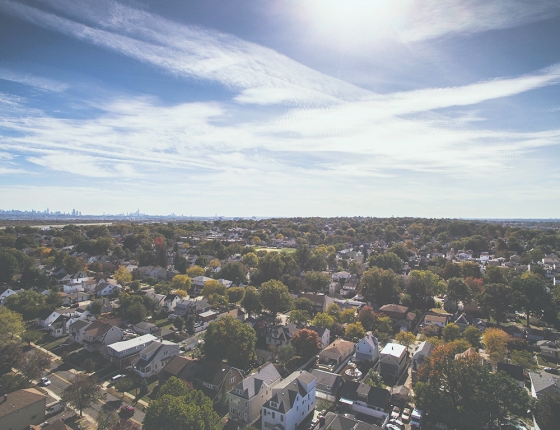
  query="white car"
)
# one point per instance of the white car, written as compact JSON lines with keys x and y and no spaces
{"x":45,"y":382}
{"x":116,"y":377}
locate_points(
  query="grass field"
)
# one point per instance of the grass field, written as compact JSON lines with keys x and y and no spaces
{"x":287,"y":250}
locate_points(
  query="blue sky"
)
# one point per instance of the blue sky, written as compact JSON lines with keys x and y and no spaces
{"x":281,"y":108}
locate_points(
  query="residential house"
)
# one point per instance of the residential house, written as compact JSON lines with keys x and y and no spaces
{"x":334,"y":421}
{"x":237,"y":313}
{"x":207,"y":317}
{"x":46,"y":318}
{"x":280,"y":335}
{"x":170,"y":302}
{"x":367,"y":349}
{"x":400,"y":315}
{"x":185,"y":307}
{"x":72,"y":288}
{"x":22,"y":408}
{"x":341,"y":276}
{"x":247,"y":398}
{"x":364,"y":399}
{"x":99,"y":334}
{"x":56,"y":425}
{"x":181,"y":367}
{"x":216,"y":379}
{"x":420,"y":353}
{"x":292,"y":401}
{"x":58,"y":328}
{"x":154,"y":357}
{"x":328,"y":384}
{"x":534,"y":335}
{"x":549,"y":348}
{"x":198,"y":284}
{"x":544,"y":383}
{"x":393,"y":361}
{"x":144,"y":327}
{"x":462,"y":322}
{"x":122,"y":353}
{"x":335,"y":354}
{"x":435,"y":320}
{"x":324,"y":335}
{"x":515,"y":331}
{"x":514,"y":372}
{"x":76,"y":330}
{"x":190,"y":343}
{"x":7,"y":293}
{"x":104,"y":289}
{"x":320,"y":301}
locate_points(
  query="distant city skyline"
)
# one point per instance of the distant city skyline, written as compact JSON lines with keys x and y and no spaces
{"x":317,"y":108}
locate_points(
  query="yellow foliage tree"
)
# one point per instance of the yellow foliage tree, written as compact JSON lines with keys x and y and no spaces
{"x":213,"y":287}
{"x":495,"y":341}
{"x":195,"y":271}
{"x":122,"y":275}
{"x":181,"y":293}
{"x":181,"y":282}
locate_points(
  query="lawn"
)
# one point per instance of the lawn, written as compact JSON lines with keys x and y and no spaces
{"x":51,"y":345}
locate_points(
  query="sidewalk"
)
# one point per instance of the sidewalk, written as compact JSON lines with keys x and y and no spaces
{"x":51,"y":354}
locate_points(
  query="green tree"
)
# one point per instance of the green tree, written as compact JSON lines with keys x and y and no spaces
{"x":123,"y":385}
{"x":389,"y":260}
{"x":354,"y":332}
{"x":368,"y":318}
{"x":88,"y":365}
{"x":405,"y":338}
{"x":8,"y":266}
{"x":306,"y":343}
{"x":194,"y":271}
{"x":473,"y":336}
{"x":251,"y":259}
{"x":235,"y":294}
{"x":229,"y":338}
{"x":251,"y":301}
{"x":82,"y":392}
{"x":496,"y":301}
{"x":458,"y":290}
{"x":213,"y":287}
{"x":380,"y":286}
{"x":304,"y":304}
{"x":334,"y":311}
{"x":451,"y":332}
{"x":285,"y":354}
{"x":27,"y":303}
{"x":96,"y":307}
{"x":525,"y":359}
{"x":233,"y":272}
{"x":33,"y":364}
{"x":31,"y":336}
{"x":275,"y":296}
{"x":547,"y":411}
{"x":178,"y":323}
{"x":373,"y":378}
{"x":106,"y":420}
{"x":422,"y":286}
{"x":136,"y":312}
{"x":317,"y":281}
{"x":529,"y":294}
{"x":298,"y":316}
{"x":348,"y":316}
{"x":11,"y":323}
{"x":323,"y":320}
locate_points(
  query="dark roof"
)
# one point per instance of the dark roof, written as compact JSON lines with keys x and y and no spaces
{"x":376,"y":396}
{"x":44,"y":314}
{"x":178,"y":364}
{"x":327,"y":381}
{"x":98,"y":328}
{"x":392,"y":308}
{"x":20,"y":399}
{"x":286,"y":394}
{"x":516,"y":372}
{"x":251,"y":386}
{"x":57,"y":425}
{"x":213,"y":372}
{"x":339,"y":422}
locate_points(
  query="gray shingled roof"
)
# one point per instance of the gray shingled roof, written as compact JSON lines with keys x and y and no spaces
{"x":250,"y":386}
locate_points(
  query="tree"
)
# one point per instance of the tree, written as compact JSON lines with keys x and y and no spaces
{"x":136,"y":312}
{"x":88,"y":365}
{"x":469,"y":269}
{"x":178,"y":323}
{"x":323,"y":320}
{"x":181,"y":293}
{"x":451,"y":332}
{"x":457,"y":290}
{"x":106,"y":420}
{"x":285,"y":354}
{"x":122,"y":275}
{"x":96,"y":307}
{"x":31,"y":336}
{"x":275,"y":296}
{"x":547,"y":411}
{"x":251,"y":259}
{"x":373,"y":378}
{"x":235,"y":294}
{"x":213,"y":287}
{"x":380,"y":286}
{"x":422,"y":286}
{"x":11,"y":323}
{"x":251,"y":301}
{"x":496,"y":301}
{"x":163,"y":288}
{"x":33,"y":364}
{"x":82,"y":392}
{"x":389,"y":260}
{"x":348,"y":316}
{"x":194,"y":271}
{"x":27,"y":303}
{"x":405,"y":338}
{"x":317,"y":281}
{"x":473,"y":336}
{"x":354,"y":332}
{"x":134,"y":285}
{"x":189,"y":324}
{"x":530,"y":293}
{"x":123,"y":385}
{"x":306,"y":342}
{"x":229,"y":338}
{"x":233,"y":272}
{"x":180,"y":263}
{"x":334,"y":311}
{"x":8,"y":266}
{"x":298,"y":316}
{"x":181,"y":282}
{"x":191,"y":410}
{"x":368,"y":318}
{"x":495,"y":341}
{"x":304,"y":304}
{"x":525,"y":359}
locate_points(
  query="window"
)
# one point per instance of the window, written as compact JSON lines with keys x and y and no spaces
{"x":282,"y":418}
{"x":273,"y":415}
{"x":232,"y":380}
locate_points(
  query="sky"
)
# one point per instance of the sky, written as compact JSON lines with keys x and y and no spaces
{"x":433,"y":108}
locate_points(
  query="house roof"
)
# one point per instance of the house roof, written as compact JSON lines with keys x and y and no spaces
{"x":467,"y":353}
{"x":178,"y":364}
{"x":371,"y":340}
{"x":57,"y":425}
{"x":79,"y":324}
{"x":318,"y":299}
{"x":337,"y":349}
{"x":251,"y":386}
{"x":287,"y":390}
{"x":424,"y":348}
{"x":392,"y":308}
{"x":98,"y":328}
{"x":20,"y":399}
{"x":339,"y":422}
{"x":151,"y":352}
{"x":436,"y":318}
{"x":394,"y":350}
{"x":545,"y":382}
{"x":376,"y":396}
{"x":326,"y":379}
{"x":143,"y":325}
{"x":132,"y":343}
{"x":213,"y":372}
{"x":516,"y":372}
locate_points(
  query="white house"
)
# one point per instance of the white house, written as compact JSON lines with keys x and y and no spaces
{"x":292,"y":401}
{"x":105,"y":289}
{"x":367,"y":349}
{"x":46,"y":318}
{"x":423,"y":350}
{"x":72,"y":288}
{"x":324,"y":335}
{"x":392,"y":360}
{"x":170,"y":302}
{"x":7,"y":293}
{"x":99,"y":334}
{"x":154,"y":357}
{"x":124,"y":351}
{"x":198,"y":283}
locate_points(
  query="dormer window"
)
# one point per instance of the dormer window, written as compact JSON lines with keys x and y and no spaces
{"x":274,"y":405}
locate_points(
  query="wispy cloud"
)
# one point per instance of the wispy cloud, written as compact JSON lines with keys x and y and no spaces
{"x":32,"y":80}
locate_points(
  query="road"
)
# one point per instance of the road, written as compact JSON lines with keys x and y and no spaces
{"x":60,"y":380}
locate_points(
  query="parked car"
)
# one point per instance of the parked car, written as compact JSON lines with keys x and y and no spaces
{"x":171,"y":317}
{"x":117,"y":377}
{"x":127,"y":410}
{"x":54,"y":408}
{"x":406,"y":415}
{"x":395,"y":413}
{"x":551,"y":370}
{"x":45,"y":382}
{"x":392,"y":427}
{"x":313,"y":424}
{"x":397,"y":423}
